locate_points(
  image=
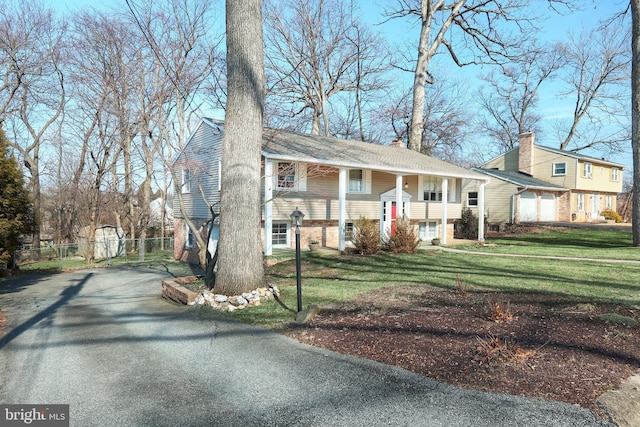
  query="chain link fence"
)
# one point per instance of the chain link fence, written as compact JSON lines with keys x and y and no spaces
{"x":106,"y":252}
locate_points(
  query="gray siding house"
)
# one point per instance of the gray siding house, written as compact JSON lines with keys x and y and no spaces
{"x":333,"y":182}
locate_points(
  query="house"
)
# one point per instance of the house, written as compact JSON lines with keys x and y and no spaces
{"x":535,"y":183}
{"x":332,"y":181}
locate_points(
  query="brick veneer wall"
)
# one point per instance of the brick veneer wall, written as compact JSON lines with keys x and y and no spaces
{"x":180,"y":251}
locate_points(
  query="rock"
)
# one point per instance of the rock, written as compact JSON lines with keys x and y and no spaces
{"x":220,"y":298}
{"x":200,"y":299}
{"x":231,"y":308}
{"x":247,"y":296}
{"x":622,"y":406}
{"x":241,"y":301}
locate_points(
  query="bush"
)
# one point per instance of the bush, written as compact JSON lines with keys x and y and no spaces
{"x":611,"y":214}
{"x":405,"y":240}
{"x":366,"y":237}
{"x":467,"y":226}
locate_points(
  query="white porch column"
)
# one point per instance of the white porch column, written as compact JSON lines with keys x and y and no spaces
{"x":342,"y":207}
{"x":399,"y":210}
{"x":268,"y":206}
{"x":445,"y":196}
{"x":481,"y":212}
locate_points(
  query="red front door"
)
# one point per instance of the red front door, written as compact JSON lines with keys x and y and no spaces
{"x":393,"y":218}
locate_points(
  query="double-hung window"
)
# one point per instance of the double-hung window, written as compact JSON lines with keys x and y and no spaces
{"x":615,"y":174}
{"x":587,"y":170}
{"x":432,"y":189}
{"x":359,"y":181}
{"x":472,"y":198}
{"x":287,"y":175}
{"x":559,"y":169}
{"x":580,"y":202}
{"x":290,"y":176}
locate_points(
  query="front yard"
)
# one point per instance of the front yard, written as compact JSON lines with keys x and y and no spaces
{"x":551,"y":328}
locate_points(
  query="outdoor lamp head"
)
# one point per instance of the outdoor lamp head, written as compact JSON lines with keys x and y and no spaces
{"x":296,"y":217}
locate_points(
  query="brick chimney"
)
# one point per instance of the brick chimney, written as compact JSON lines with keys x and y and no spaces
{"x":525,"y":152}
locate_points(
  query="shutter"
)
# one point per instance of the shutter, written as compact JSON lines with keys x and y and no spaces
{"x":366,"y":176}
{"x":302,"y":176}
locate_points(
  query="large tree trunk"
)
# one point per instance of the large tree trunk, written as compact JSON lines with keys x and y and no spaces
{"x":240,"y":266}
{"x":635,"y":118}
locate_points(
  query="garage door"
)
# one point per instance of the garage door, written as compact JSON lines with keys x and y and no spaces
{"x":528,"y":207}
{"x":548,"y":208}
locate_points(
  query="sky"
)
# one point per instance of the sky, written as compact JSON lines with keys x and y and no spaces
{"x":401,"y":32}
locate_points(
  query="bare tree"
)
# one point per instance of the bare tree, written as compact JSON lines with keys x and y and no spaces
{"x":597,"y":72}
{"x":240,"y":266}
{"x":511,"y":94}
{"x":32,"y":50}
{"x":475,"y":25}
{"x":184,"y":65}
{"x":635,"y":117}
{"x":316,"y":50}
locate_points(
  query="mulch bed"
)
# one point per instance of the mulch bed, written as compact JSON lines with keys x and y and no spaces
{"x":524,"y":344}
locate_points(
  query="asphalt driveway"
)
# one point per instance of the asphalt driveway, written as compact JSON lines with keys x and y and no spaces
{"x":104,"y":342}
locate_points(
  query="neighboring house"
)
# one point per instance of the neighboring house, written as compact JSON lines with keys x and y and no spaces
{"x":332,"y":181}
{"x":535,"y":183}
{"x":156,"y":213}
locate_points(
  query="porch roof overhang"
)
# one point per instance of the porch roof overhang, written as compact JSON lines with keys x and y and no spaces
{"x":340,"y":153}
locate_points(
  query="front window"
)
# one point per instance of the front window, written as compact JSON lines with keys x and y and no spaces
{"x":432,"y":189}
{"x":609,"y":202}
{"x":428,"y":230}
{"x":615,"y":174}
{"x":286,"y":175}
{"x":587,"y":170}
{"x":280,"y":234}
{"x":356,"y":181}
{"x":559,"y":169}
{"x":580,"y":202}
{"x":472,"y":198}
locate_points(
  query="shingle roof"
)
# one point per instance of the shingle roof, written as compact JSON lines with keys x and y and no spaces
{"x":291,"y":146}
{"x":520,"y":179}
{"x":284,"y":145}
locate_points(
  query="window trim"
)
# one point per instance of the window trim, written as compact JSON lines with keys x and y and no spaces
{"x":186,"y":181}
{"x":615,"y":174}
{"x":438,"y":189}
{"x":190,"y":240}
{"x":554,"y":171}
{"x":365,"y":181}
{"x":587,"y":170}
{"x":299,"y":176}
{"x":469,"y":199}
{"x":287,"y":234}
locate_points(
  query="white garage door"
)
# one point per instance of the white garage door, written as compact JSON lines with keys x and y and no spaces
{"x":528,"y":207}
{"x":548,"y":208}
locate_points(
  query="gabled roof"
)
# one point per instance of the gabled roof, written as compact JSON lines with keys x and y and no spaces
{"x":284,"y":145}
{"x":521,"y":179}
{"x":291,"y":146}
{"x":567,"y":154}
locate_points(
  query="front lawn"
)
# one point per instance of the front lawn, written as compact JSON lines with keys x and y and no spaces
{"x":330,"y":278}
{"x":567,"y":242}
